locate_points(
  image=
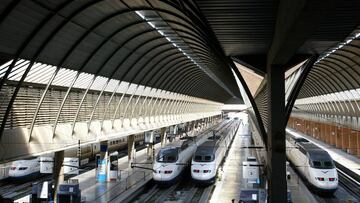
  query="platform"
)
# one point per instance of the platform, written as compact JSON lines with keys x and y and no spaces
{"x":228,"y":186}
{"x":128,"y":181}
{"x":93,"y":191}
{"x":349,"y":161}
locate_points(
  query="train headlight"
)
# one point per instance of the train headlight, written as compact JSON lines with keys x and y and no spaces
{"x":207,"y":171}
{"x":319,"y":178}
{"x":168,"y":172}
{"x":196,"y":170}
{"x":332,"y":179}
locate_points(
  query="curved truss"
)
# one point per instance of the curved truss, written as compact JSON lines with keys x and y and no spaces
{"x":83,"y":69}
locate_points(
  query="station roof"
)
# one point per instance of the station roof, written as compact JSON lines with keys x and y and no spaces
{"x":150,"y":43}
{"x":180,"y":46}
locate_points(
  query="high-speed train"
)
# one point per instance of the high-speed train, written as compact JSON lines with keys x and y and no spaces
{"x":209,"y":155}
{"x":313,"y":163}
{"x":30,"y":168}
{"x":172,"y":159}
{"x":25,"y":169}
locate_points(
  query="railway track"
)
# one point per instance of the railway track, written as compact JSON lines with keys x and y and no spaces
{"x":183,"y":191}
{"x":348,"y":180}
{"x":11,"y":190}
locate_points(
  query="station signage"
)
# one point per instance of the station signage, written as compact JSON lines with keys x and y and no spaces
{"x":46,"y":164}
{"x":71,"y":165}
{"x":149,"y":137}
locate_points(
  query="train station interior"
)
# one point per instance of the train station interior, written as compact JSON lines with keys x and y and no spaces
{"x":176,"y":101}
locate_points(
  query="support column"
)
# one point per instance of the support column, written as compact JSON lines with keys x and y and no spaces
{"x":163,"y":136}
{"x":150,"y":145}
{"x":103,"y":162}
{"x":276,"y":134}
{"x":58,"y":172}
{"x":149,"y":150}
{"x":131,"y":149}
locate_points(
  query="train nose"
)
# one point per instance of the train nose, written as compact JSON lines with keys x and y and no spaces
{"x":327,"y":183}
{"x":164,"y":173}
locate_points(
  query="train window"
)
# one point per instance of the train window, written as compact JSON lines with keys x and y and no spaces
{"x":167,"y":155}
{"x":316,"y":164}
{"x":22,"y":168}
{"x":328,"y":164}
{"x":198,"y":158}
{"x":207,"y":158}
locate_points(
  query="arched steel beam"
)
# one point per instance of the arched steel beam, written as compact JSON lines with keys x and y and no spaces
{"x":33,"y":59}
{"x":335,"y":61}
{"x":349,"y":75}
{"x":165,"y":52}
{"x":26,"y":42}
{"x":321,"y":78}
{"x":299,"y":83}
{"x":155,"y":103}
{"x":183,"y":86}
{"x":186,"y":78}
{"x":167,"y":74}
{"x":325,"y":69}
{"x":314,"y":90}
{"x":181,"y":63}
{"x":128,"y":69}
{"x":85,"y":63}
{"x":136,"y":61}
{"x":8,"y":10}
{"x":202,"y":24}
{"x":251,"y":99}
{"x":166,"y":57}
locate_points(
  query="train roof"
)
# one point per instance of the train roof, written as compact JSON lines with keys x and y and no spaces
{"x":315,"y":152}
{"x":208,"y":147}
{"x":208,"y":144}
{"x":178,"y":143}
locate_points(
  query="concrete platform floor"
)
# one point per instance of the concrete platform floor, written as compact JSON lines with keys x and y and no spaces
{"x":228,"y":187}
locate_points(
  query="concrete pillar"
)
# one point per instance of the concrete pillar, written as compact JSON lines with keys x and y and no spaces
{"x":194,"y":128}
{"x":131,"y":149}
{"x":149,"y":139}
{"x":149,"y":151}
{"x":163,"y":136}
{"x":276,"y":134}
{"x":58,"y":172}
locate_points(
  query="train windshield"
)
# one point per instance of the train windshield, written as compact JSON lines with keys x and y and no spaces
{"x":167,"y":155}
{"x":204,"y":154}
{"x":322,"y":164}
{"x":203,"y":158}
{"x":320,"y":159}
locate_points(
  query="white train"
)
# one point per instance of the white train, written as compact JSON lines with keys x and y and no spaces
{"x":25,"y":169}
{"x":30,"y":168}
{"x":171,"y":161}
{"x":209,"y":155}
{"x":313,"y":163}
